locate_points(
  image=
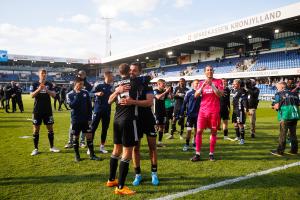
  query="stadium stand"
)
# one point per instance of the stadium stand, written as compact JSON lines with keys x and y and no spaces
{"x":277,"y":60}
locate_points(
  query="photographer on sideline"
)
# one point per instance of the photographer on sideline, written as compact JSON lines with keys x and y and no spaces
{"x":286,"y":103}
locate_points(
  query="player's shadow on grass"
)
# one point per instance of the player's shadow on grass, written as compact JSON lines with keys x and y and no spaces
{"x":12,"y":126}
{"x":50,"y":179}
{"x":14,"y":120}
{"x":14,"y":117}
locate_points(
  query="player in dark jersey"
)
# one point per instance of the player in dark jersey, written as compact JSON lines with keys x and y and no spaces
{"x":159,"y":108}
{"x":125,"y":129}
{"x":179,"y":93}
{"x":225,"y":107}
{"x":102,"y":109}
{"x":191,"y":105}
{"x":81,"y":117}
{"x":240,"y":104}
{"x":169,"y":104}
{"x":42,"y":91}
{"x":146,"y":124}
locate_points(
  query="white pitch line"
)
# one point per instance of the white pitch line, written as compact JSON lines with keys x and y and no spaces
{"x":226,"y":182}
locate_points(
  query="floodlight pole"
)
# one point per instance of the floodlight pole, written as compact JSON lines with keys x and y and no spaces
{"x":107,"y":36}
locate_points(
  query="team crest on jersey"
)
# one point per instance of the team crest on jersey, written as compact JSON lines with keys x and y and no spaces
{"x":84,"y":95}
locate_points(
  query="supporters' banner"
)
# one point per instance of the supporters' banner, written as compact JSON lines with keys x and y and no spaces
{"x":238,"y":50}
{"x":233,"y":75}
{"x":185,"y":59}
{"x":152,"y":63}
{"x":3,"y":56}
{"x":286,"y":42}
{"x":162,"y":61}
{"x":265,"y":45}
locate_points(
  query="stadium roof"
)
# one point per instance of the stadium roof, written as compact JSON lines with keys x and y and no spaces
{"x":15,"y":57}
{"x":259,"y":26}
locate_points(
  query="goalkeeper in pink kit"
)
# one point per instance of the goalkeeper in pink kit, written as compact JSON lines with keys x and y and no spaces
{"x":209,"y":114}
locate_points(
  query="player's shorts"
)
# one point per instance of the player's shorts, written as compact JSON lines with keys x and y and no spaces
{"x":176,"y":112}
{"x":160,"y":119}
{"x":38,"y":118}
{"x":239,"y":118}
{"x":169,"y":112}
{"x":224,"y":114}
{"x":126,"y":132}
{"x":82,"y":126}
{"x":146,"y":126}
{"x":191,"y":122}
{"x":208,"y":120}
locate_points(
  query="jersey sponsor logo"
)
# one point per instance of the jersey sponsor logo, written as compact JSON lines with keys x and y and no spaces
{"x":127,"y":81}
{"x":208,"y":90}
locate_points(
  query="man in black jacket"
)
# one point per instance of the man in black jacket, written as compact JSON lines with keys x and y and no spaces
{"x":19,"y":100}
{"x":253,"y":93}
{"x":57,"y":97}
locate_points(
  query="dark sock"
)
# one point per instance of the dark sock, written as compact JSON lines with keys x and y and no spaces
{"x":123,"y":171}
{"x":242,"y":131}
{"x":51,"y":138}
{"x":137,"y":170}
{"x":76,"y":146}
{"x":173,"y":128}
{"x":36,"y":137}
{"x":113,"y":167}
{"x":160,"y":136}
{"x":237,"y":131}
{"x":187,"y":142}
{"x":225,"y":132}
{"x":153,"y":168}
{"x":91,"y":147}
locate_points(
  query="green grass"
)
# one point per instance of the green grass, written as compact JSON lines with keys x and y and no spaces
{"x":56,"y":176}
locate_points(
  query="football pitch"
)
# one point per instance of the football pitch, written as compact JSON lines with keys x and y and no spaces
{"x":57,"y":176}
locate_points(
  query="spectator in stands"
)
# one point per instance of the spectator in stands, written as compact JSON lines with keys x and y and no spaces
{"x":287,"y":105}
{"x":19,"y":97}
{"x":253,"y":93}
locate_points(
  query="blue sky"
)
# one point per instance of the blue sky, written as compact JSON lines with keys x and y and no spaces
{"x":74,"y":28}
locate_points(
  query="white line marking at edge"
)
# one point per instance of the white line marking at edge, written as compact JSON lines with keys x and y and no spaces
{"x":226,"y":182}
